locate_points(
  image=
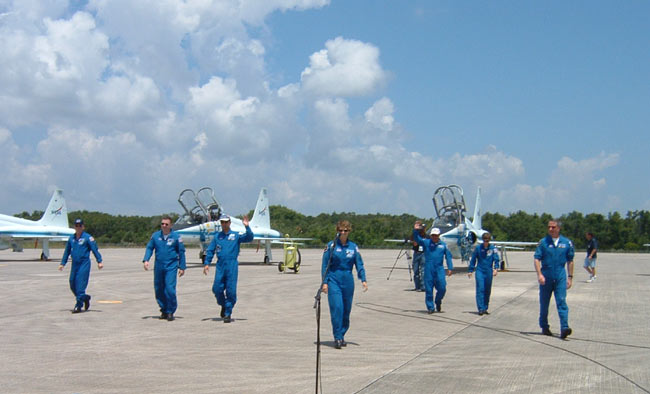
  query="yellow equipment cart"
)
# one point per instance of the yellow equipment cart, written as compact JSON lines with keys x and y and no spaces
{"x":291,"y":256}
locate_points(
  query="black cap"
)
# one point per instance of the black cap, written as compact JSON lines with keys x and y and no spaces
{"x":78,"y":221}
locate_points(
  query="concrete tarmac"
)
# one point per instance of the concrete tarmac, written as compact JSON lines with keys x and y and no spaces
{"x":394,"y":346}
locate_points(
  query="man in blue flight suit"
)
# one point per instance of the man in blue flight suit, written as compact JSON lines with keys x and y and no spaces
{"x":488,"y":264}
{"x":435,"y":251}
{"x":79,"y":246}
{"x":226,"y":246}
{"x":418,"y":260}
{"x":170,"y":261}
{"x":553,"y":253}
{"x":338,"y":283}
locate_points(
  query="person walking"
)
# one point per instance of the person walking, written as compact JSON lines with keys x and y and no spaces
{"x":592,"y":253}
{"x":338,"y":283}
{"x":435,"y":251}
{"x":554,"y":267}
{"x":225,"y":245}
{"x":79,"y":247}
{"x":169,"y":263}
{"x":485,"y":261}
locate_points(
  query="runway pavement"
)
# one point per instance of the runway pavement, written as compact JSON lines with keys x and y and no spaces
{"x":120,"y":346}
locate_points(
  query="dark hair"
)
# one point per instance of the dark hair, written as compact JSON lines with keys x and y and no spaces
{"x":166,"y":217}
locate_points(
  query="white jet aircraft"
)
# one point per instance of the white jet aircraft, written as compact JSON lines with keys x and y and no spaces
{"x":200,"y":223}
{"x":53,"y":226}
{"x":456,"y":230}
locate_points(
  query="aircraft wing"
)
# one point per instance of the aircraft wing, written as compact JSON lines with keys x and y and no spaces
{"x":33,"y":236}
{"x":513,"y":243}
{"x":282,"y":240}
{"x":404,"y":240}
{"x":20,"y":232}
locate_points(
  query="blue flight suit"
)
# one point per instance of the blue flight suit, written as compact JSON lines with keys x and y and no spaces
{"x":226,"y":247}
{"x":434,"y":271}
{"x":488,"y":260}
{"x":553,"y":259}
{"x":80,"y":249}
{"x":340,"y":282}
{"x":170,"y":257}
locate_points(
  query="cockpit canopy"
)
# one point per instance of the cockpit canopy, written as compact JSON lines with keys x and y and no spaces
{"x":449,"y":204}
{"x":199,"y":207}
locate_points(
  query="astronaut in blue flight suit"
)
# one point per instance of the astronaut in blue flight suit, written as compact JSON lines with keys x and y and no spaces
{"x":170,"y":261}
{"x":485,"y":260}
{"x":552,"y":254}
{"x":338,"y":282}
{"x":225,"y":245}
{"x":435,"y":251}
{"x":79,"y":247}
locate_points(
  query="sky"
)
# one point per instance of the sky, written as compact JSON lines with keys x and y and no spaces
{"x":362,"y":106}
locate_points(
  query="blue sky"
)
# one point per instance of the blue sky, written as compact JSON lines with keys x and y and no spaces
{"x":364,"y":106}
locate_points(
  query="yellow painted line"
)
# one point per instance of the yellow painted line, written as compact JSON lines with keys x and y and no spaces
{"x":3,"y":265}
{"x":109,"y":302}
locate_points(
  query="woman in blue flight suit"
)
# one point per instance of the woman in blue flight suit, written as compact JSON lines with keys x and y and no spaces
{"x":486,"y":268}
{"x":338,"y":282}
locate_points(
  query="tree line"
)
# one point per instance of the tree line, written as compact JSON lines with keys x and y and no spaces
{"x":614,"y":231}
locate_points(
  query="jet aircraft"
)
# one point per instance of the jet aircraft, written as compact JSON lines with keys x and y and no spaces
{"x":457,"y":231}
{"x":53,"y":226}
{"x":200,"y":222}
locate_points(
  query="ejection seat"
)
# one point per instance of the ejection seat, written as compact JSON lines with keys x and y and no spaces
{"x":450,"y":207}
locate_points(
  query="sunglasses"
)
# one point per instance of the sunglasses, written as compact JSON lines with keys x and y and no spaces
{"x":164,"y":224}
{"x":344,"y":231}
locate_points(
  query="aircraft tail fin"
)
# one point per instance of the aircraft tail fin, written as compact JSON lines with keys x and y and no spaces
{"x":56,"y":213}
{"x":261,"y":215}
{"x":476,"y":220}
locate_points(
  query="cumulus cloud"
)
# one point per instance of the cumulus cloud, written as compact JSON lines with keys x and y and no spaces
{"x":21,"y":175}
{"x":124,"y":104}
{"x":380,"y":115}
{"x":344,"y":68}
{"x":572,"y":185}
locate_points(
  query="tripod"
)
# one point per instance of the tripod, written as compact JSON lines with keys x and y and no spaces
{"x":402,"y":252}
